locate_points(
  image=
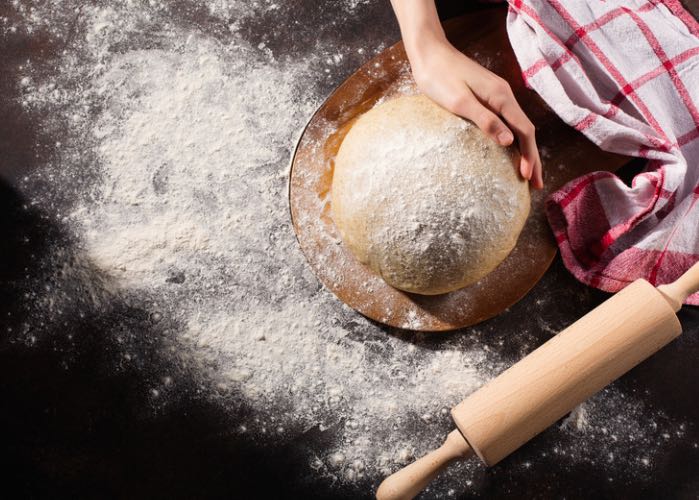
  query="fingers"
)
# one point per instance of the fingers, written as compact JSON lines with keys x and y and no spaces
{"x":531,"y":161}
{"x":499,"y":116}
{"x":530,"y":165}
{"x":465,"y":104}
{"x":538,"y":175}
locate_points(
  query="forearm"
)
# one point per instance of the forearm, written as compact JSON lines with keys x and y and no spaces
{"x":419,"y":24}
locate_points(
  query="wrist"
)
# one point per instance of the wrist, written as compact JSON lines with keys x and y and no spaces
{"x":424,"y":44}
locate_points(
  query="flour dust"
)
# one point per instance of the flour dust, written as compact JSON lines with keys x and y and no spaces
{"x":171,"y":178}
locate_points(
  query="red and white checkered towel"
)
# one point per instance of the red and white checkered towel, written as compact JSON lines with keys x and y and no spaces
{"x":626,"y":74}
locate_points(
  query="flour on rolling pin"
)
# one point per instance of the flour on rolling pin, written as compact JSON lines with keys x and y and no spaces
{"x":170,"y":179}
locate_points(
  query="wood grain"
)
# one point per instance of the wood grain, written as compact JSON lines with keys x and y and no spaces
{"x":565,"y":371}
{"x":566,"y":154}
{"x":548,"y":383}
{"x":412,"y":479}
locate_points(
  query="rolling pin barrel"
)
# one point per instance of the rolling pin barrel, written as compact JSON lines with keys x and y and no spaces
{"x":565,"y":371}
{"x":548,"y":383}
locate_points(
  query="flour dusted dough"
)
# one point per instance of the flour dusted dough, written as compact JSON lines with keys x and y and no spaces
{"x":424,"y":198}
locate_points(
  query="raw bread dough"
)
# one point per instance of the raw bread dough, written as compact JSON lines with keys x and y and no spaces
{"x":424,"y":198}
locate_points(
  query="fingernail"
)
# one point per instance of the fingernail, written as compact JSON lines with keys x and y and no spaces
{"x":505,"y":138}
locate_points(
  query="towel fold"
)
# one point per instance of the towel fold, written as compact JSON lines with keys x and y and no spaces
{"x":625,"y":74}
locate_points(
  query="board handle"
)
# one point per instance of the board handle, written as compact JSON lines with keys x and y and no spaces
{"x":411,"y":480}
{"x":678,"y":291}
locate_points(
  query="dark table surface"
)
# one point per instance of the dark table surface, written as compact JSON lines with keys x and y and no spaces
{"x":74,"y":422}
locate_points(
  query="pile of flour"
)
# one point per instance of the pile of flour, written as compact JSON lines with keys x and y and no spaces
{"x":173,"y":175}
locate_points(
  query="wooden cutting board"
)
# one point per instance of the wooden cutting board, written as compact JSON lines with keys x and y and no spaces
{"x":565,"y":153}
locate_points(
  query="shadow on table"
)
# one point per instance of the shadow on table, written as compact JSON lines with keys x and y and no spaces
{"x":80,"y":417}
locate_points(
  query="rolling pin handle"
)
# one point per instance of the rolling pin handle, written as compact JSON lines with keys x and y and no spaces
{"x":678,"y":291}
{"x":409,"y":481}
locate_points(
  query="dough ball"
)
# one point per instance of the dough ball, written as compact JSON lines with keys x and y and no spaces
{"x":424,"y":198}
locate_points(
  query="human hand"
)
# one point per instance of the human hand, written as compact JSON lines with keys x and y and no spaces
{"x":463,"y":86}
{"x":467,"y":89}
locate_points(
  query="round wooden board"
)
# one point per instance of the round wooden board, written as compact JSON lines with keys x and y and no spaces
{"x":566,"y":154}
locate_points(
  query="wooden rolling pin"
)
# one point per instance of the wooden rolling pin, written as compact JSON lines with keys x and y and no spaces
{"x":549,"y":382}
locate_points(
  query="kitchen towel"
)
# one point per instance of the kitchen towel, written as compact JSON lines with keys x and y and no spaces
{"x":625,"y":74}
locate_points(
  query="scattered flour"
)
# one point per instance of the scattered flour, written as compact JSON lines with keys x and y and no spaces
{"x":173,"y":180}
